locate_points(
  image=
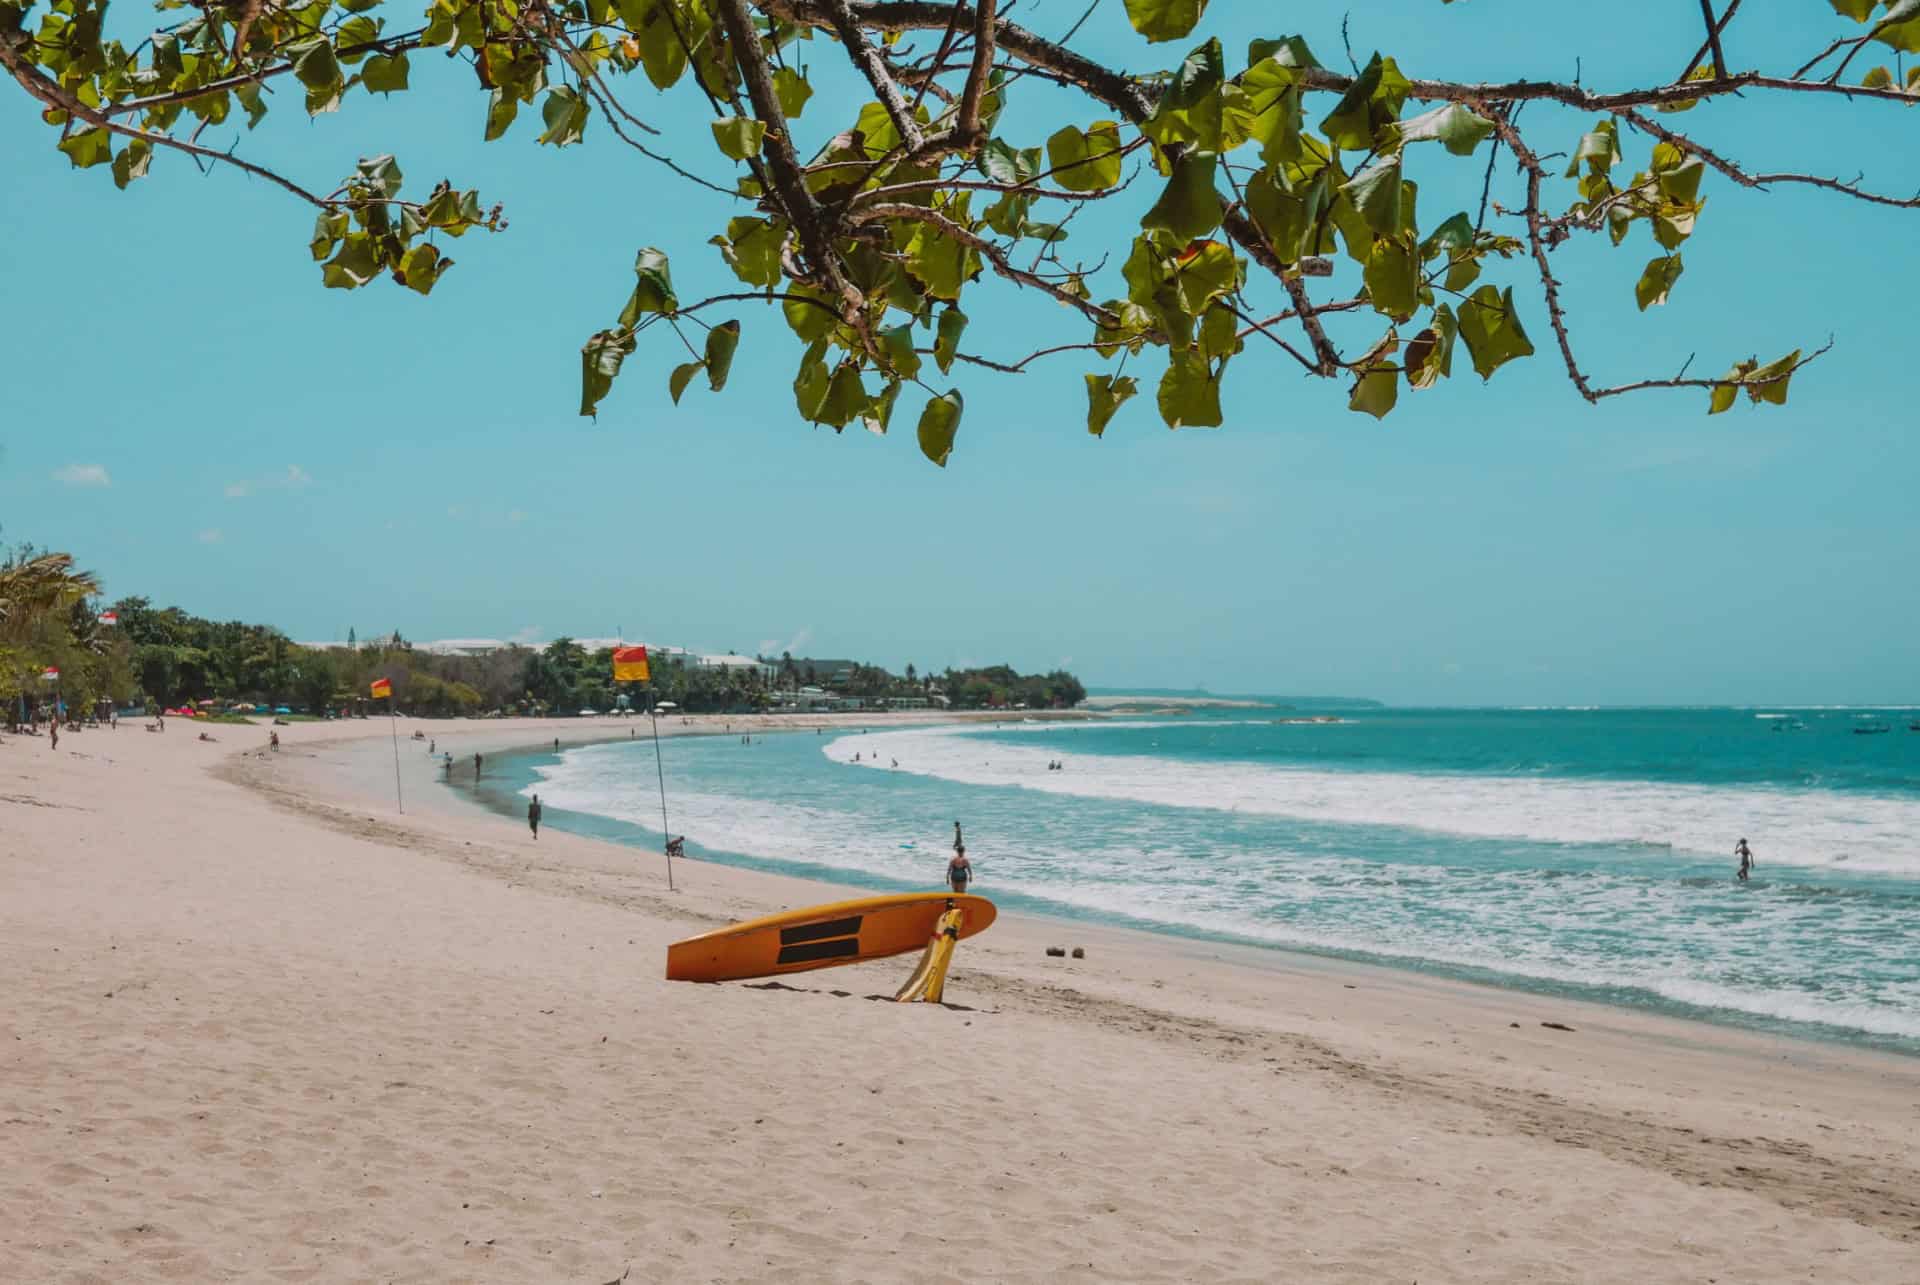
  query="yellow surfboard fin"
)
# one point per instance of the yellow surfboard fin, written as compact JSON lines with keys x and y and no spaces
{"x":929,"y":980}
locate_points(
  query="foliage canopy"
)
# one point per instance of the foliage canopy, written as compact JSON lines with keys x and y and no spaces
{"x":1252,"y":177}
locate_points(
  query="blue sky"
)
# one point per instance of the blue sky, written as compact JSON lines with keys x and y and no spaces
{"x":197,"y":419}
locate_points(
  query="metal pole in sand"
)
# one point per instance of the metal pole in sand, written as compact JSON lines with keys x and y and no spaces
{"x":393,"y":723}
{"x":666,"y":835}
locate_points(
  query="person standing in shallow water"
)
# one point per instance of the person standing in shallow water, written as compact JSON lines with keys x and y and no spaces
{"x":533,"y":816}
{"x":959,"y":870}
{"x":1742,"y":851}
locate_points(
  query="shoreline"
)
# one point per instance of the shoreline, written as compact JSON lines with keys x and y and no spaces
{"x":254,"y":1022}
{"x":504,"y":802}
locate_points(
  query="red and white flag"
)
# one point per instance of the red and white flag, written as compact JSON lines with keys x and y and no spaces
{"x":49,"y":673}
{"x":109,"y":617}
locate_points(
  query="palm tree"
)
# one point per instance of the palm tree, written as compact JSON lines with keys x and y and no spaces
{"x":35,"y":587}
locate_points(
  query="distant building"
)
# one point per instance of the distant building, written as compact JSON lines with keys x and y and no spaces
{"x":740,"y":665}
{"x":907,"y":702}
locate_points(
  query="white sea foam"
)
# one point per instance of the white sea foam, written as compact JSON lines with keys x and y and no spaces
{"x":1805,"y":827}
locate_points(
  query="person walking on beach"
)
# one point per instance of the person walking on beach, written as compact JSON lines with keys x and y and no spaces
{"x":533,"y":816}
{"x":957,"y":845}
{"x":448,"y":765}
{"x":1742,"y":851}
{"x":959,"y":870}
{"x":476,"y":767}
{"x":53,"y":730}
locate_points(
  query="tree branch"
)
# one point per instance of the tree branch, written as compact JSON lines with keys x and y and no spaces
{"x":49,"y":92}
{"x":867,"y":59}
{"x":1536,"y":238}
{"x":967,"y":128}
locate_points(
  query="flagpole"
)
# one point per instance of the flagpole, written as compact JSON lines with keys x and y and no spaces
{"x":666,"y":835}
{"x":393,"y":722}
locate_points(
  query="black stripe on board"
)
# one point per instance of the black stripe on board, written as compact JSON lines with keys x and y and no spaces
{"x":848,"y":927}
{"x":810,"y":951}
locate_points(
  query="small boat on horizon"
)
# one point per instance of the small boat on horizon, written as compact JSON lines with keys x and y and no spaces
{"x":1872,"y":729}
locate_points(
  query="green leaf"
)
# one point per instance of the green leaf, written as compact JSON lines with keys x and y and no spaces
{"x":501,"y":110}
{"x":1878,"y":78}
{"x":846,"y":397}
{"x":999,"y":162}
{"x":1681,"y":184}
{"x":939,"y":422}
{"x":652,"y":290}
{"x":897,"y":342}
{"x":250,"y":98}
{"x":793,"y":91}
{"x":356,"y":264}
{"x":661,"y":52}
{"x":1899,"y":27}
{"x":1134,"y":322}
{"x":1455,"y":234}
{"x":1160,"y":20}
{"x":1673,"y":225}
{"x":1780,"y":372}
{"x":721,"y":341}
{"x":565,"y":113}
{"x":1191,"y":109}
{"x":808,"y":316}
{"x":879,"y":412}
{"x":420,"y":268}
{"x":1203,"y":272}
{"x":1370,"y":104}
{"x":1492,"y":330}
{"x":752,"y":249}
{"x":683,"y":375}
{"x":739,"y":136}
{"x":1657,"y":281}
{"x":1375,"y":193}
{"x":1189,"y":394}
{"x":1392,"y":278}
{"x":382,"y":173}
{"x":314,"y":64}
{"x":1375,"y":392}
{"x":1189,"y":207}
{"x":132,"y":162}
{"x":1599,"y":150}
{"x":1724,"y":394}
{"x":600,"y":359}
{"x":1105,"y":393}
{"x":1084,"y":162}
{"x":938,"y":262}
{"x":1288,"y":51}
{"x":382,"y":74}
{"x":88,"y":147}
{"x":1458,"y":128}
{"x":1429,"y":357}
{"x":946,"y":342}
{"x":327,"y":231}
{"x":1855,"y":9}
{"x":1219,"y":333}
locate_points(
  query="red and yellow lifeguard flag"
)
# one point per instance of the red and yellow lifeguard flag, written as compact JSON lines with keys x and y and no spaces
{"x":382,"y":687}
{"x":630,"y":665}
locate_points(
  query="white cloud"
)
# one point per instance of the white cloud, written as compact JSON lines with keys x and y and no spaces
{"x":292,"y":480}
{"x":212,"y":535}
{"x":83,"y":475}
{"x":530,"y":634}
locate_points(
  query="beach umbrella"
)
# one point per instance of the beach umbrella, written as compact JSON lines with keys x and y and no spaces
{"x":280,"y":709}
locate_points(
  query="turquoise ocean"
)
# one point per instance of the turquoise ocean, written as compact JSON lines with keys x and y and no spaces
{"x":1584,"y":852}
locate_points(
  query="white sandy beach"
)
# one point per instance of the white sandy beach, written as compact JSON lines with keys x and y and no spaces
{"x":256,"y":1026}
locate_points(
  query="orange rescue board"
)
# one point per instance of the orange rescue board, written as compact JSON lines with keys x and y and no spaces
{"x":842,"y":932}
